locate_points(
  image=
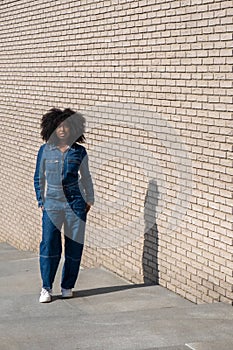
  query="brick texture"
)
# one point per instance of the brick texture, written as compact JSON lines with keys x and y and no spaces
{"x":154,"y":81}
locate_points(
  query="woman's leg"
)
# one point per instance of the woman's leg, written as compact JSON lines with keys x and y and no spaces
{"x":50,"y":246}
{"x":74,"y":229}
{"x":73,"y":255}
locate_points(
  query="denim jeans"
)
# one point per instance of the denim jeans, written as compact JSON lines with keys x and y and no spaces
{"x":51,"y":246}
{"x":63,"y":186}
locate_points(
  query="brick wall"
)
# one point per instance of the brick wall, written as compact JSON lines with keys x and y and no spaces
{"x":154,"y":82}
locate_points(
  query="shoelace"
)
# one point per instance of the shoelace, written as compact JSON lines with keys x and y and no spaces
{"x":45,"y":292}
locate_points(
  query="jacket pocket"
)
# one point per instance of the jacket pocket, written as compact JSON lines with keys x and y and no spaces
{"x":73,"y":166}
{"x":51,"y":165}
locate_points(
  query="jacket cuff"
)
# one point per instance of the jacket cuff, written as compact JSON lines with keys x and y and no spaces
{"x":90,"y":201}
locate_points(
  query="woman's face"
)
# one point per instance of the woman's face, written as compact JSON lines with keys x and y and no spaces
{"x":63,"y":131}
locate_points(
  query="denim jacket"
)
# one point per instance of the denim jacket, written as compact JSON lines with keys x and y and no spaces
{"x":62,"y":176}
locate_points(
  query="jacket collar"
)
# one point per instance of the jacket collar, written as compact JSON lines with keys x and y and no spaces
{"x":52,"y":146}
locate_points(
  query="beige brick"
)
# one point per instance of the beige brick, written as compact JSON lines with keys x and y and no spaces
{"x":168,"y":86}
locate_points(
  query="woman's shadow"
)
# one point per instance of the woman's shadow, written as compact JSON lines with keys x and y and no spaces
{"x":150,"y":248}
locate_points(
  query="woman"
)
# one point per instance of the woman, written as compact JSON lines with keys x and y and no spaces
{"x":64,"y":191}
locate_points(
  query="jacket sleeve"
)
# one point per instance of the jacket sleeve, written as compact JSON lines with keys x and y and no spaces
{"x":86,"y":179}
{"x":39,"y":177}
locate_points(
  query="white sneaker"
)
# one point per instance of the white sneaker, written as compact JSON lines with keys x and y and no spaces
{"x":66,"y":293}
{"x":45,"y":295}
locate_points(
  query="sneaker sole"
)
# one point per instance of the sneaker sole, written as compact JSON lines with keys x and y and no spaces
{"x":67,"y":296}
{"x":45,"y":301}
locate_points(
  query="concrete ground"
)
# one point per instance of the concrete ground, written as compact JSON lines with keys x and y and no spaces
{"x":106,"y":313}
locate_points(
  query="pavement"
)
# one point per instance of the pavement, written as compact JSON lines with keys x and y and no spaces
{"x":106,"y":313}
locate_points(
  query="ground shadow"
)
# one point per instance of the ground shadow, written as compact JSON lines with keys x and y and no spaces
{"x":102,"y":290}
{"x":150,"y":248}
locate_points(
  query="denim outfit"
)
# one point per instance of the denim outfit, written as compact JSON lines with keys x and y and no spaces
{"x":63,"y":193}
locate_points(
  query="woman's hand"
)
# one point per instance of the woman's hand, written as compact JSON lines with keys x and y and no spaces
{"x":88,"y":207}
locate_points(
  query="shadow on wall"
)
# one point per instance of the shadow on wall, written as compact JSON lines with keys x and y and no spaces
{"x":150,"y":249}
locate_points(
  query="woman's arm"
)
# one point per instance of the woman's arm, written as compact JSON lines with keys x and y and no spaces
{"x":86,"y":181}
{"x":39,"y":177}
